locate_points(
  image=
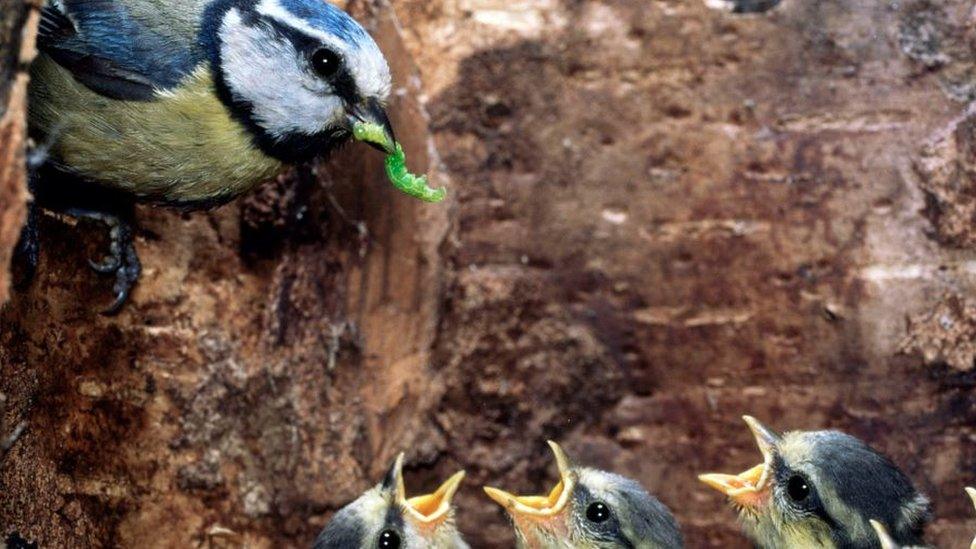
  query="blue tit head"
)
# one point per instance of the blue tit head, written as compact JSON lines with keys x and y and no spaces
{"x":384,"y":518}
{"x":822,"y":489}
{"x":297,"y":73}
{"x":589,"y":508}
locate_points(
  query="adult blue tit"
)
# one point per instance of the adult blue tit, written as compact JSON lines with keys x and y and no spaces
{"x":384,"y":518}
{"x":589,"y":508}
{"x":190,"y":102}
{"x":822,"y":489}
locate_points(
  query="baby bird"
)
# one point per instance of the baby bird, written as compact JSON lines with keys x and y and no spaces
{"x":821,"y":489}
{"x":384,"y":518}
{"x":589,"y":509}
{"x":189,"y":103}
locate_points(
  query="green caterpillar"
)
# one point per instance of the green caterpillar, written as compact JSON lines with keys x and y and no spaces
{"x":396,"y":160}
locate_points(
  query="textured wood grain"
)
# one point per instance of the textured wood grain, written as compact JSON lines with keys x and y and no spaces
{"x":668,"y":215}
{"x":18,"y":25}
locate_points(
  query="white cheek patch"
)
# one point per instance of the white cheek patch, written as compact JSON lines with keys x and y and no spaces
{"x":366,"y":62}
{"x":264,"y":70}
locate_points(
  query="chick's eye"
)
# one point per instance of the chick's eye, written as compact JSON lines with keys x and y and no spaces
{"x":598,"y":512}
{"x":797,"y":488}
{"x":325,"y":62}
{"x":389,"y":540}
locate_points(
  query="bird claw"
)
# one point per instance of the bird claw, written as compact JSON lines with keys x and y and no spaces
{"x":126,"y":274}
{"x":121,"y":260}
{"x":124,"y":262}
{"x":109,"y":264}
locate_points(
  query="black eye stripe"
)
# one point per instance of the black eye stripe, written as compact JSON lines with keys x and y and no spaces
{"x":301,"y":41}
{"x":345,"y":87}
{"x":342,"y":81}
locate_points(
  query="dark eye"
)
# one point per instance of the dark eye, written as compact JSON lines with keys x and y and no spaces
{"x":389,"y":540}
{"x":325,"y":62}
{"x":797,"y":488}
{"x":597,"y":512}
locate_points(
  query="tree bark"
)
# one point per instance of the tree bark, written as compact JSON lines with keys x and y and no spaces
{"x":18,"y":23}
{"x":668,"y":214}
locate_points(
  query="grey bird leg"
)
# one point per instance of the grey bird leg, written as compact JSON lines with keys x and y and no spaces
{"x":121,"y":260}
{"x":28,"y":250}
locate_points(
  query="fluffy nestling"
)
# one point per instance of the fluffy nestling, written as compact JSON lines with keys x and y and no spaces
{"x":383,"y":518}
{"x":589,"y":509}
{"x":821,"y":489}
{"x":189,"y":103}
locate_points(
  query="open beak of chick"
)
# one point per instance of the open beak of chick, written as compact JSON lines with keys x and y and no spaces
{"x":427,"y":511}
{"x":749,"y":489}
{"x":542,"y":508}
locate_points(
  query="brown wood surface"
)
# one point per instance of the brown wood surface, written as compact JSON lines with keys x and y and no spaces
{"x":662,"y":216}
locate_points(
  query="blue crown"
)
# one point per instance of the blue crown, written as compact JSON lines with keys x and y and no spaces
{"x":327,"y":18}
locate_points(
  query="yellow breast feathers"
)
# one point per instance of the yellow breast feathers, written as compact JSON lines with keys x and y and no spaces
{"x":181,"y":147}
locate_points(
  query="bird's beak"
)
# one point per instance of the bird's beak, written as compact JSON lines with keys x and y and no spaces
{"x":540,"y":507}
{"x":748,"y":488}
{"x":371,"y":111}
{"x":884,"y":538}
{"x":427,"y":511}
{"x":972,"y":496}
{"x":433,"y":508}
{"x":393,"y":481}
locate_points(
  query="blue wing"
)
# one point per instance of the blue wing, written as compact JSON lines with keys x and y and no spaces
{"x":111,"y":52}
